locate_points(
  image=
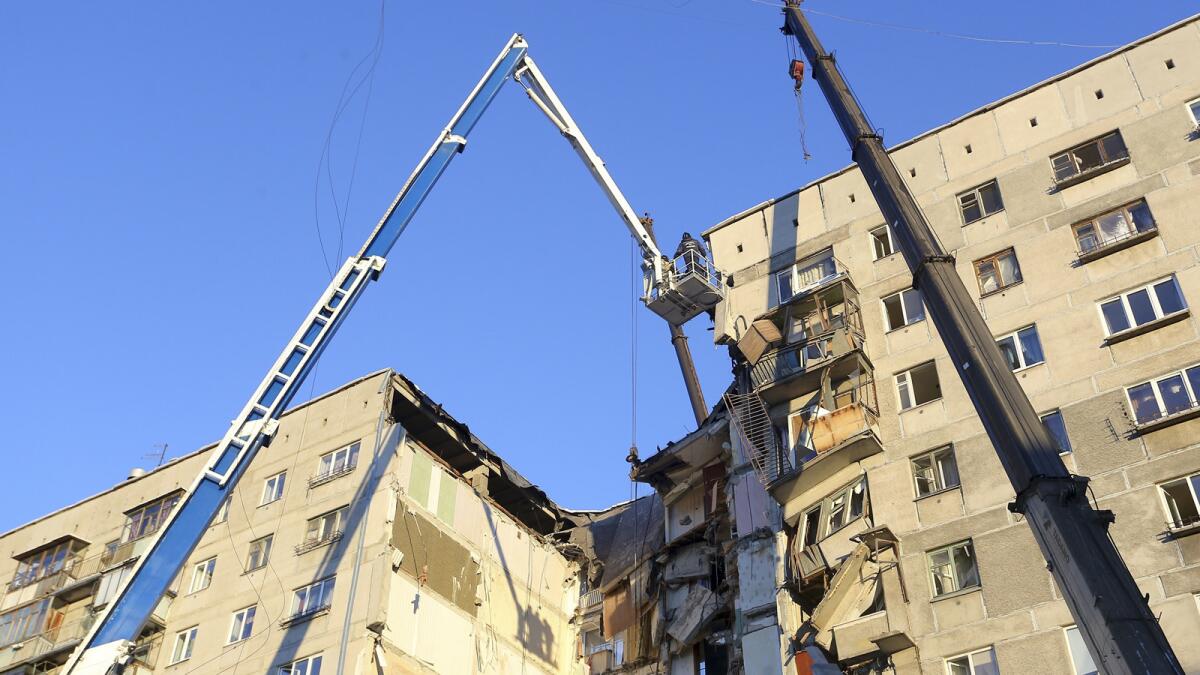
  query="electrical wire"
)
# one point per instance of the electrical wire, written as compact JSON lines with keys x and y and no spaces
{"x":941,"y":33}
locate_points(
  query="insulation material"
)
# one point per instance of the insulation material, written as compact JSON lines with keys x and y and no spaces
{"x":830,"y":430}
{"x":758,"y":339}
{"x":697,"y":609}
{"x":436,"y":560}
{"x":618,"y":610}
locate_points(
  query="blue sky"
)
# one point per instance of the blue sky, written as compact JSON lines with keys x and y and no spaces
{"x":160,"y":200}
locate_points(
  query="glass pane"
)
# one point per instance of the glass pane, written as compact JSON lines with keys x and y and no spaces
{"x":1113,"y":226}
{"x":1080,"y":658}
{"x":1169,"y":298}
{"x":958,"y":667}
{"x":894,"y":311}
{"x":1114,"y":316}
{"x":987,"y":277}
{"x":1086,"y":236}
{"x":1088,"y":156}
{"x":1193,"y":378}
{"x":1139,"y":304}
{"x":1010,"y":271}
{"x":949,"y":468}
{"x":964,"y":567}
{"x":1058,"y":429}
{"x":914,"y":308}
{"x":990,"y":194}
{"x":1008,"y":348}
{"x":984,"y":663}
{"x":1031,"y":346}
{"x":1142,"y":220}
{"x":1064,"y":166}
{"x":1114,"y":148}
{"x":1174,"y":394}
{"x":784,"y":279}
{"x":1145,"y":405}
{"x":905,"y":395}
{"x":923,"y":473}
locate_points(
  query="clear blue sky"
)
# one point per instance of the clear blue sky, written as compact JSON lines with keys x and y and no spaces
{"x":158,"y":184}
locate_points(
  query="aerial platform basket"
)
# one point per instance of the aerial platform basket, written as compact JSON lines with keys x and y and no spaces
{"x":691,"y":285}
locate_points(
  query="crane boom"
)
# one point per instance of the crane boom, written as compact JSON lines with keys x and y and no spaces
{"x":110,"y":640}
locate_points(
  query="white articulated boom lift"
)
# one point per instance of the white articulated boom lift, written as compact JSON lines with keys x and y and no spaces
{"x":676,"y":290}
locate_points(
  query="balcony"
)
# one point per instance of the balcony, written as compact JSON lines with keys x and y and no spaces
{"x":53,"y":645}
{"x":332,"y":474}
{"x":318,"y":542}
{"x":692,"y":285}
{"x":304,"y":615}
{"x":590,"y":600}
{"x":791,"y":371}
{"x":72,"y":582}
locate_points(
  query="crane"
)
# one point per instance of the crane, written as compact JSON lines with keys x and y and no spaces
{"x":1117,"y":625}
{"x":676,"y":289}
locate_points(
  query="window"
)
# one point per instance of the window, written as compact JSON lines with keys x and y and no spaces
{"x":1164,"y":396}
{"x":309,"y":665}
{"x":1109,"y":228}
{"x":223,"y":512}
{"x":935,"y":471}
{"x":1088,"y":157}
{"x":953,"y":568}
{"x":835,"y":512}
{"x":23,"y":623}
{"x":1081,"y":659}
{"x":184,"y":641}
{"x":881,"y":242}
{"x":1182,"y":500}
{"x":903,"y":308}
{"x":918,"y":385}
{"x":273,"y":488}
{"x":324,"y":528}
{"x":312,"y":598}
{"x":202,"y":574}
{"x":146,"y":520}
{"x":982,"y":662}
{"x":242,"y":624}
{"x":338,"y":462}
{"x":980,"y":202}
{"x":260,"y":553}
{"x":40,"y":564}
{"x":1142,"y":305}
{"x":106,"y":590}
{"x":805,"y":274}
{"x":1058,"y":430}
{"x":1194,"y":110}
{"x":1022,"y":348}
{"x":998,"y":271}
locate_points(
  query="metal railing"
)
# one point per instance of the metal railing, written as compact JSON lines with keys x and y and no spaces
{"x":310,"y":544}
{"x":59,"y":636}
{"x":1099,"y":241}
{"x":1183,"y":522}
{"x":694,"y":264}
{"x":590,"y":599}
{"x":74,"y":568}
{"x":807,"y":275}
{"x":788,"y":361}
{"x":304,"y":615}
{"x":322,"y":478}
{"x":757,"y":436}
{"x":855,"y":412}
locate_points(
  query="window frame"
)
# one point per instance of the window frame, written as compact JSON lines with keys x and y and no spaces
{"x":966,"y":544}
{"x":208,"y":569}
{"x":938,"y":470}
{"x":289,"y":668}
{"x":1015,"y":336}
{"x":339,"y":519}
{"x":1155,"y":305}
{"x":188,"y":636}
{"x":241,"y":627}
{"x":994,"y":259}
{"x":807,"y":262}
{"x":1186,"y":479}
{"x":303,"y":607}
{"x":137,"y":519}
{"x":969,"y":656}
{"x":824,"y":509}
{"x":1066,"y":433}
{"x":273,"y":491}
{"x":887,"y":236}
{"x":906,"y":374}
{"x":1101,"y":243}
{"x":222,"y":511}
{"x":976,"y":193}
{"x":1192,"y":106}
{"x":1076,"y":667}
{"x":266,"y":552}
{"x":1081,"y":174}
{"x":350,"y":454}
{"x":1162,"y":409}
{"x":887,"y":321}
{"x":41,"y":563}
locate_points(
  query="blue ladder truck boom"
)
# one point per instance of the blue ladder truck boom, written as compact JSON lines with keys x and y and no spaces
{"x":676,"y":289}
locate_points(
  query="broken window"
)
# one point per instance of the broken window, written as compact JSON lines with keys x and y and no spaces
{"x":1182,"y":500}
{"x":1022,"y":348}
{"x":980,"y":202}
{"x":202,"y":574}
{"x":903,"y":308}
{"x":184,"y":641}
{"x":260,"y":553}
{"x":918,"y":385}
{"x":953,"y":568}
{"x":146,"y":520}
{"x":881,"y":242}
{"x":1086,"y":157}
{"x":877,"y":602}
{"x":1142,"y":305}
{"x":1164,"y":396}
{"x":273,"y":488}
{"x":834,"y":512}
{"x":1081,"y":659}
{"x":1114,"y":226}
{"x":812,"y":526}
{"x":982,"y":662}
{"x":998,"y":271}
{"x":309,"y":665}
{"x":342,"y":460}
{"x":935,"y":471}
{"x":807,"y":273}
{"x":1058,"y":430}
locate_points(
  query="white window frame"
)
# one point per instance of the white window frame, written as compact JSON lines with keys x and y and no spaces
{"x":265,"y":543}
{"x":824,"y":507}
{"x":1192,"y":106}
{"x":325,"y":531}
{"x":1162,"y":497}
{"x":903,"y":309}
{"x":347,"y":457}
{"x":792,"y":274}
{"x":1162,"y":408}
{"x":273,"y":488}
{"x":185,"y":642}
{"x":1154,"y":305}
{"x":241,"y":624}
{"x":977,"y":194}
{"x":970,"y":657}
{"x":887,"y":236}
{"x":958,"y":583}
{"x":1066,"y":432}
{"x":1015,"y":337}
{"x":307,"y":662}
{"x":1075,"y":665}
{"x":223,"y":511}
{"x":940,"y":483}
{"x":302,"y":597}
{"x":202,"y":575}
{"x":907,"y":382}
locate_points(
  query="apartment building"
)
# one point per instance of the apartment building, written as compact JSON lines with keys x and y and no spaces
{"x":374,"y":535}
{"x":1070,"y":208}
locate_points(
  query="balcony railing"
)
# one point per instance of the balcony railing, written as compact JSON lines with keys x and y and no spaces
{"x":590,"y":599}
{"x":332,"y":474}
{"x":808,"y":275}
{"x":310,"y":544}
{"x":304,"y":615}
{"x":60,"y":637}
{"x":1094,"y":245}
{"x":75,"y":568}
{"x":757,"y":436}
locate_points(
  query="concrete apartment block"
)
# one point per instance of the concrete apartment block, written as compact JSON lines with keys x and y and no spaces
{"x":894,"y":541}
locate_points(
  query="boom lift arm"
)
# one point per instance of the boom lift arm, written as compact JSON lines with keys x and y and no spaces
{"x":677,"y":296}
